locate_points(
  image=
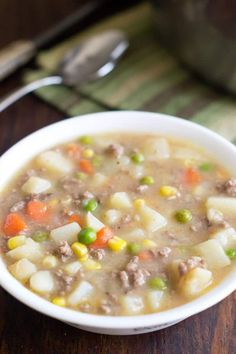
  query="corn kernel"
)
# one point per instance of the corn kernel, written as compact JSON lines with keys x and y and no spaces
{"x":49,"y":262}
{"x":52,"y":203}
{"x":59,"y":301}
{"x":15,"y":242}
{"x":117,"y":244}
{"x":84,"y":258}
{"x":90,"y":264}
{"x":88,"y":153}
{"x":189,"y":163}
{"x":168,"y":191}
{"x":79,"y":249}
{"x":139,"y":203}
{"x":148,"y":243}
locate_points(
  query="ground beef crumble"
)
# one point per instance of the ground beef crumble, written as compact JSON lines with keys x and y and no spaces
{"x":98,"y":254}
{"x":228,"y":187}
{"x":115,"y":149}
{"x":191,"y":263}
{"x":133,"y":276}
{"x":64,"y":251}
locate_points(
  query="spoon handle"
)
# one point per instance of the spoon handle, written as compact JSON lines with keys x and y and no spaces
{"x":24,"y":90}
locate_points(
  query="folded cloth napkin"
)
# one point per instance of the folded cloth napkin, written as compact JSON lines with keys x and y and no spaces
{"x":147,"y":78}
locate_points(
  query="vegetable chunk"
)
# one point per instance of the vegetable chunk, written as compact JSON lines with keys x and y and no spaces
{"x":67,"y":233}
{"x":213,"y":253}
{"x":81,"y":293}
{"x":36,"y":185}
{"x":132,"y":304}
{"x":226,"y":205}
{"x":226,"y":237}
{"x":30,"y":250}
{"x":54,"y":162}
{"x":23,"y":269}
{"x":195,"y":281}
{"x":120,"y":200}
{"x":151,"y":219}
{"x":42,"y":282}
{"x":93,"y":222}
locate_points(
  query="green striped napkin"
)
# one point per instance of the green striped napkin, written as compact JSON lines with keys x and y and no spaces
{"x":147,"y":78}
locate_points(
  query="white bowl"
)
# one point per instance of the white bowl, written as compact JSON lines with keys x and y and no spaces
{"x":123,"y":121}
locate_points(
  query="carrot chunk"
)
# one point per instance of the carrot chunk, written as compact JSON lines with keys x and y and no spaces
{"x":76,"y":218}
{"x":74,"y":150}
{"x":14,"y":224}
{"x":103,"y":236}
{"x":191,"y":176}
{"x":37,"y":210}
{"x":86,"y":166}
{"x":145,"y":255}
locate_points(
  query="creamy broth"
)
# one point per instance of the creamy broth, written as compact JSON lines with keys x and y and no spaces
{"x":120,"y":224}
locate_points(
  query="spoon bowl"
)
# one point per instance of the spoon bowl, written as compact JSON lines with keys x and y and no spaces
{"x":94,"y":58}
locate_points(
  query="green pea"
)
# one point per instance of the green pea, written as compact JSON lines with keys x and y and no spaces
{"x":148,"y":180}
{"x":134,"y":248}
{"x":90,"y":204}
{"x":137,"y":158}
{"x":231,"y":253}
{"x":81,"y":176}
{"x":183,"y":216}
{"x":40,"y":236}
{"x":205,"y":167}
{"x":86,"y":139}
{"x":97,"y":160}
{"x":157,"y":283}
{"x":87,"y":236}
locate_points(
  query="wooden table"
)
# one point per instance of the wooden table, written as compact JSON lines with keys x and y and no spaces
{"x":24,"y":331}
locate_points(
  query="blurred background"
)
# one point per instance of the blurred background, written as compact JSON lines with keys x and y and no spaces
{"x":27,"y":18}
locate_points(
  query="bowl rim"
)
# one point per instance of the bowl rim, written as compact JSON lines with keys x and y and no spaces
{"x":218,"y":293}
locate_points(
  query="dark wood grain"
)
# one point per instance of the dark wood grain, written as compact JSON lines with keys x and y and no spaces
{"x":24,"y":331}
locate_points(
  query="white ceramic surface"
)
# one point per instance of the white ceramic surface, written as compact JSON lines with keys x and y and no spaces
{"x":123,"y":121}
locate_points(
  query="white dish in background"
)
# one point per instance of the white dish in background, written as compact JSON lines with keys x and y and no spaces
{"x":131,"y":122}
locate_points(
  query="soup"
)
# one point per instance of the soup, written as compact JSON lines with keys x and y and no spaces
{"x":120,"y":224}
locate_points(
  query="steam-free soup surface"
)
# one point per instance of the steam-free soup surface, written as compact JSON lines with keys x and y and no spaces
{"x":120,"y":224}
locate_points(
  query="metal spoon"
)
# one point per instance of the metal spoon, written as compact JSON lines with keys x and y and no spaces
{"x":92,"y":59}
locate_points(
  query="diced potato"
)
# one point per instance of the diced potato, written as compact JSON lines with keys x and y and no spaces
{"x":156,"y":148}
{"x":226,"y":205}
{"x":42,"y":282}
{"x":120,"y":200}
{"x":68,"y":232}
{"x":22,"y":269}
{"x":30,"y":250}
{"x":124,"y":161}
{"x":213,"y":253}
{"x":136,"y":234}
{"x":81,"y":293}
{"x":72,"y":268}
{"x":112,"y":216}
{"x":36,"y":185}
{"x":201,"y":190}
{"x":154,"y":298}
{"x":137,"y":171}
{"x":132,"y":304}
{"x":183,"y":153}
{"x":54,"y":162}
{"x":214,"y":215}
{"x":226,"y":237}
{"x":98,"y":180}
{"x":93,"y":222}
{"x":151,"y":219}
{"x":195,"y":281}
{"x":50,"y":261}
